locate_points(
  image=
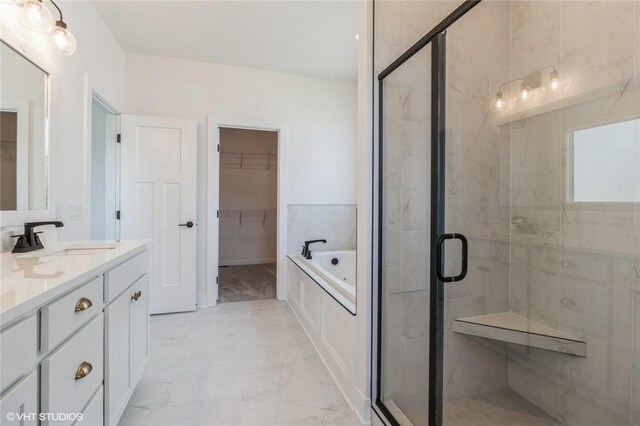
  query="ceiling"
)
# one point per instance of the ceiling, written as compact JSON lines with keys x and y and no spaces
{"x":300,"y":37}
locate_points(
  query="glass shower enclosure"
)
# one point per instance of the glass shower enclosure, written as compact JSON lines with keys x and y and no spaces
{"x":508,"y":213}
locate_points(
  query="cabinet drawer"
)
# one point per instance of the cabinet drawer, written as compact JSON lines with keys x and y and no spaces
{"x":63,"y":317}
{"x":22,"y":399}
{"x":18,"y":350}
{"x":122,"y":276}
{"x":92,"y":413}
{"x":65,"y":387}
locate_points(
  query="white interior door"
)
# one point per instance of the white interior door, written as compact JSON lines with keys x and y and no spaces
{"x":158,"y":202}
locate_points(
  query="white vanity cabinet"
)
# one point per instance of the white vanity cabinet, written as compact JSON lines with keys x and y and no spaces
{"x":127,"y":340}
{"x":81,"y":350}
{"x":22,"y":398}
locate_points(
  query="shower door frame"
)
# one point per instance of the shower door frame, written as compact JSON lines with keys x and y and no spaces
{"x":437,"y":38}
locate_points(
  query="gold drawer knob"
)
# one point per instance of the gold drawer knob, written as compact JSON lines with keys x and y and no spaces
{"x":83,"y":304}
{"x":83,"y":371}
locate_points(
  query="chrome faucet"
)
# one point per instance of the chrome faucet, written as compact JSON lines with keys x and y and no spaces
{"x":306,"y":253}
{"x":30,"y":241}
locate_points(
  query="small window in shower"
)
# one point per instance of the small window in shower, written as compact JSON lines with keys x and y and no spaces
{"x":603,"y":164}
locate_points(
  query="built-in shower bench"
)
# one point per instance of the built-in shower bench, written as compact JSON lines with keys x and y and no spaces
{"x":512,"y":328}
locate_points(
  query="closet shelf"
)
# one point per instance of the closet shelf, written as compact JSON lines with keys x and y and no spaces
{"x":242,"y":160}
{"x":510,"y":327}
{"x":247,"y":213}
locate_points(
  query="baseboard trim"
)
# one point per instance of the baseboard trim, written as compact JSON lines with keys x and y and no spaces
{"x":247,"y":262}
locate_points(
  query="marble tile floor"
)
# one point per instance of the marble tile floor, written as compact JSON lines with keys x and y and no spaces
{"x":245,"y":363}
{"x":247,"y":282}
{"x":501,"y":408}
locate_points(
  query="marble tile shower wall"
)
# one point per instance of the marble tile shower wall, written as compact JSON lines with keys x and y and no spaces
{"x":575,"y":267}
{"x":335,"y":223}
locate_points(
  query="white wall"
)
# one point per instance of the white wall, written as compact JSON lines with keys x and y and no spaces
{"x":319,"y":114}
{"x":98,"y":61}
{"x":365,"y":191}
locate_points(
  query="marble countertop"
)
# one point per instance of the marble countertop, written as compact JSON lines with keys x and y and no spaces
{"x":31,"y":280}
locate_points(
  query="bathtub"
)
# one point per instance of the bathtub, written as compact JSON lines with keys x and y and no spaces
{"x":338,"y":280}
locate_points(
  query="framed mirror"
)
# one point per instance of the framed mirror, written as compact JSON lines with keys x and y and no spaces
{"x":24,"y":138}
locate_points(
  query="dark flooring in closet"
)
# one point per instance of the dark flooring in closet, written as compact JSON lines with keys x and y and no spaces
{"x":247,"y":282}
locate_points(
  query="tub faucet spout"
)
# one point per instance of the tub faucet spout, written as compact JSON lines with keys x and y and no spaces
{"x":305,"y":250}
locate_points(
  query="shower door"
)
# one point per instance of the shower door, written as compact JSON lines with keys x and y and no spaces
{"x":417,"y":258}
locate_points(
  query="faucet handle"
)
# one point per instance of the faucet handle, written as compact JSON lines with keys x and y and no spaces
{"x":21,"y":245}
{"x":36,"y":238}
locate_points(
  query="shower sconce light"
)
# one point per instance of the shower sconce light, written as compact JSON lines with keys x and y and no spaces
{"x":525,"y":94}
{"x":500,"y":102}
{"x":528,"y":85}
{"x":555,"y":84}
{"x":37,"y":17}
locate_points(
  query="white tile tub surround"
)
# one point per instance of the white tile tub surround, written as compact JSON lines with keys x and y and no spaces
{"x":331,"y":329}
{"x":334,"y":223}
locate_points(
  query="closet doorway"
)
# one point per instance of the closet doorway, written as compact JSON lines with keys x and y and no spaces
{"x":247,"y":250}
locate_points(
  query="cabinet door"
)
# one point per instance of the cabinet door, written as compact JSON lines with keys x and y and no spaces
{"x":117,"y":350}
{"x":21,"y":400}
{"x":139,"y":329}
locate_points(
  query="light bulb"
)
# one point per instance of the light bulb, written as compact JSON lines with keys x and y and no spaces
{"x":36,"y":16}
{"x":499,"y":103}
{"x":555,"y":84}
{"x":525,"y":94}
{"x":62,"y":39}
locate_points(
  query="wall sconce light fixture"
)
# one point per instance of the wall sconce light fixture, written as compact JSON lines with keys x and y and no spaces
{"x":528,"y":86}
{"x":37,"y":17}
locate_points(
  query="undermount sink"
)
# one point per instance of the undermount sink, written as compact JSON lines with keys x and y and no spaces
{"x":87,"y":249}
{"x":80,"y":251}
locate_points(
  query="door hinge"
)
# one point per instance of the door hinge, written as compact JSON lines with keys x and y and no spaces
{"x":218,"y":147}
{"x":119,"y":138}
{"x":217,"y":213}
{"x":217,"y":280}
{"x":118,"y":215}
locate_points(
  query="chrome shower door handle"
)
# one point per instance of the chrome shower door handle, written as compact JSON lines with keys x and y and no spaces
{"x":440,"y":257}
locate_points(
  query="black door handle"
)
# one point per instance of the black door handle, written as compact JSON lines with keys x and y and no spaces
{"x":188,"y":224}
{"x":440,"y":257}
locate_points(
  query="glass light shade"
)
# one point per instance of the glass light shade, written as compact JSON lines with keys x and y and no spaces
{"x":36,"y":16}
{"x":500,"y":103}
{"x":555,"y":84}
{"x":525,"y":94}
{"x":62,"y":39}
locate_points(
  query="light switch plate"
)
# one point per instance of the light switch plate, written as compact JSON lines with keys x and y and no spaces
{"x":76,"y":211}
{"x":60,"y":212}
